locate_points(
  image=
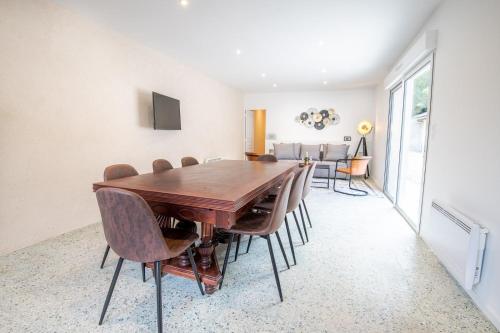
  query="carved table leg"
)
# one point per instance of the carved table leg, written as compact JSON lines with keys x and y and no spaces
{"x":210,"y":289}
{"x":206,"y":247}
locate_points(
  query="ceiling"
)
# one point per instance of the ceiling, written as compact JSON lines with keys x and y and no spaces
{"x":297,"y":44}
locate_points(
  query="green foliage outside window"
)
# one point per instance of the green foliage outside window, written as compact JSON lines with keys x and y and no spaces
{"x":421,"y":93}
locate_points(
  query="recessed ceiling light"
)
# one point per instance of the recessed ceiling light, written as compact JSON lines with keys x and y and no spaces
{"x":238,"y":51}
{"x":325,"y":82}
{"x":323,"y":70}
{"x":263,"y":74}
{"x":274,"y":85}
{"x":321,"y":43}
{"x":184,"y":3}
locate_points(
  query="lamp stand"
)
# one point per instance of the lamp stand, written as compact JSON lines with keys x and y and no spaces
{"x":362,"y":145}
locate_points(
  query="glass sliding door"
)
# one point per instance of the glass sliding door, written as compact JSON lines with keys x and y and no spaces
{"x":414,"y":143}
{"x":407,"y":142}
{"x":393,"y":142}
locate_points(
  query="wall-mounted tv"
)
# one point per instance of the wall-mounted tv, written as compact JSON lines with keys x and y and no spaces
{"x":167,"y":112}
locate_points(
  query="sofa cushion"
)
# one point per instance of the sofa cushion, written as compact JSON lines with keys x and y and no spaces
{"x":287,"y":151}
{"x":335,"y":152}
{"x":312,"y":150}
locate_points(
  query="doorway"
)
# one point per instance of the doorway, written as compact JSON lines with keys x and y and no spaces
{"x":407,"y":142}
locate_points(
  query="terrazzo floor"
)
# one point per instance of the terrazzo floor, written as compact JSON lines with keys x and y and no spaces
{"x":364,"y":270}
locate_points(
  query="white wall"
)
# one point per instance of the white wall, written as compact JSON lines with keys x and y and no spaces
{"x":463,"y":157}
{"x":76,"y":97}
{"x":352,"y":105}
{"x":380,"y":135}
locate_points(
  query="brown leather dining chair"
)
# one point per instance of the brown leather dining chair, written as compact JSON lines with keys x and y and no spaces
{"x":188,"y":161}
{"x":293,"y":203}
{"x":262,"y":224}
{"x":355,"y":167}
{"x":118,"y":171}
{"x":161,"y":165}
{"x":132,"y":231}
{"x":305,"y":193}
{"x":267,"y":158}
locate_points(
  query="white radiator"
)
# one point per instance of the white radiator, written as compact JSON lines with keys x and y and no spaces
{"x":458,"y":242}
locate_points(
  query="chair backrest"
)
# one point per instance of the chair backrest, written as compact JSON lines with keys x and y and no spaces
{"x":187,"y":161}
{"x":161,"y":165}
{"x":117,"y":171}
{"x":359,"y":165}
{"x":278,"y":213}
{"x":309,"y":178}
{"x":297,"y":188}
{"x":267,"y":158}
{"x":130,"y":226}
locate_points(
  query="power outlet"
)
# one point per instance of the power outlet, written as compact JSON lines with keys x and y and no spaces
{"x":347,"y":138}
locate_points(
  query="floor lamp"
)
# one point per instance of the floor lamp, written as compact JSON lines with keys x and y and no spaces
{"x":364,"y":128}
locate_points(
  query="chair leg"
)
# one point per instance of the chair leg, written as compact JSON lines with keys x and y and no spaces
{"x":158,"y":296}
{"x":226,"y":259}
{"x":298,"y":227}
{"x":303,"y":222}
{"x":111,"y":288}
{"x":282,"y":249}
{"x":307,"y":213}
{"x":290,"y":240}
{"x":249,"y":242}
{"x":362,"y":192}
{"x":105,"y":256}
{"x":237,"y":247}
{"x":276,"y":276}
{"x":195,"y":270}
{"x":143,"y":268}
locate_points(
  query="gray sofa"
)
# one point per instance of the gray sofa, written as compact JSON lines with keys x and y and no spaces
{"x":323,"y":154}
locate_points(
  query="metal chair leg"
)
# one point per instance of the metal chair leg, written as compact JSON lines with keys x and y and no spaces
{"x":290,"y":240}
{"x":111,"y":288}
{"x":105,"y":256}
{"x":143,"y":268}
{"x":249,"y":242}
{"x":276,"y":276}
{"x":195,"y":270}
{"x":158,"y":296}
{"x":307,"y":213}
{"x":298,"y":227}
{"x":237,"y":248}
{"x":226,"y":259}
{"x":303,"y":222}
{"x":282,"y":249}
{"x":362,"y":192}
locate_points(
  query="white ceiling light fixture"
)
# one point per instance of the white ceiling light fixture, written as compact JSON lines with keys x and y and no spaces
{"x":323,"y":70}
{"x":184,"y":3}
{"x":321,"y":43}
{"x":238,"y":51}
{"x":325,"y":83}
{"x":263,"y":75}
{"x":274,"y":85}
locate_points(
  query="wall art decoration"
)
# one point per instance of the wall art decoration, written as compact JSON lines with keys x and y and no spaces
{"x":318,"y":119}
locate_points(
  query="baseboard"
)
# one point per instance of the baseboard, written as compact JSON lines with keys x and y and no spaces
{"x":493,"y":317}
{"x":488,"y":313}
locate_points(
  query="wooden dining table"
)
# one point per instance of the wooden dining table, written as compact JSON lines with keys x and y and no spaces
{"x":215,"y":194}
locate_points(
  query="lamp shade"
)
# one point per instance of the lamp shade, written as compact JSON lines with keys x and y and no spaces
{"x":365,"y":127}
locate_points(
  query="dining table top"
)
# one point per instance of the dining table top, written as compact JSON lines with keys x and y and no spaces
{"x":223,"y":185}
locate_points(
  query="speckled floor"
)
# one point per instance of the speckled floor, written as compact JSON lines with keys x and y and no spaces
{"x":364,"y":270}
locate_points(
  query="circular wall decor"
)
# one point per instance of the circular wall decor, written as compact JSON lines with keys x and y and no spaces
{"x":318,"y":119}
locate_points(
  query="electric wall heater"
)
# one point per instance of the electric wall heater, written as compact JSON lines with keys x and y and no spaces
{"x":458,"y":242}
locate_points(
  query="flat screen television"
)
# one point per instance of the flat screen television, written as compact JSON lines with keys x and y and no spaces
{"x":167,"y":112}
